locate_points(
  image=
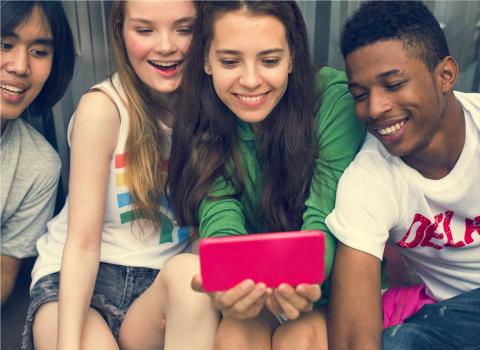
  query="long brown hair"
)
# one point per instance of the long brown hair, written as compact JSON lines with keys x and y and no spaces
{"x":147,"y":134}
{"x":205,"y":141}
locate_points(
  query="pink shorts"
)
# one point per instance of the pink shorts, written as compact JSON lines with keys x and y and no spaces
{"x":400,"y":303}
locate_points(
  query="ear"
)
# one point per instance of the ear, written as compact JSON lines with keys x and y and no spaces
{"x":290,"y":66}
{"x":447,"y":74}
{"x":206,"y":67}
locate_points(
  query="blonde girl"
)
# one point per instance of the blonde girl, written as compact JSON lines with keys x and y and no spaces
{"x":117,"y":230}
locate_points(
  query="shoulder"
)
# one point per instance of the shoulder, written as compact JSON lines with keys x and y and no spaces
{"x":331,"y":83}
{"x":97,"y":107}
{"x":36,"y":151}
{"x":373,"y":167}
{"x":471,"y":102}
{"x":335,"y":117}
{"x":333,"y":94}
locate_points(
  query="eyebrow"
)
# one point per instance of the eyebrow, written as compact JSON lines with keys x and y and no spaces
{"x":379,"y":76}
{"x":43,"y":41}
{"x":389,"y":73}
{"x":261,"y":53}
{"x":176,"y":22}
{"x":46,"y":41}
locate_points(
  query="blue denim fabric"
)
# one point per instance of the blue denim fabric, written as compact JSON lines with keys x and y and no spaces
{"x":450,"y":324}
{"x":116,"y":288}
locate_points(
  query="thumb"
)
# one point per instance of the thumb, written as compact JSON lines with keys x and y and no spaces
{"x":197,"y":283}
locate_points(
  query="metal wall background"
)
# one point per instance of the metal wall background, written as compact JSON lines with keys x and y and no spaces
{"x":460,"y":20}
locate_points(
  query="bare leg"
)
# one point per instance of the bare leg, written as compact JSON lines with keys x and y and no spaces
{"x":96,"y":333}
{"x":251,"y":334}
{"x":191,"y":322}
{"x":309,"y":332}
{"x":9,"y":267}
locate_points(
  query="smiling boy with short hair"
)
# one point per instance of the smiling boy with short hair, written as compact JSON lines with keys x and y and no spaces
{"x":37,"y":61}
{"x":415,"y":183}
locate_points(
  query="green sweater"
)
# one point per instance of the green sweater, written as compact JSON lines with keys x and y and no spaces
{"x":339,"y":136}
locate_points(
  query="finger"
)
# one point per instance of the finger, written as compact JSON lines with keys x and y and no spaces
{"x":250,"y":300}
{"x":197,"y":283}
{"x":257,"y":308}
{"x":252,"y":311}
{"x":227,"y":299}
{"x":272,"y":305}
{"x":312,"y":292}
{"x":287,"y":308}
{"x":296,"y":300}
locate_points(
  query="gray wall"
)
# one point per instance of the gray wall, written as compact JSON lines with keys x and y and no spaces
{"x":460,"y":20}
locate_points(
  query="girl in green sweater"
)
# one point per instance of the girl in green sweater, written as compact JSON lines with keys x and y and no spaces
{"x":258,"y":146}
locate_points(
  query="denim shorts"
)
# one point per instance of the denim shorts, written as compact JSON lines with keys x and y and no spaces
{"x":116,"y":288}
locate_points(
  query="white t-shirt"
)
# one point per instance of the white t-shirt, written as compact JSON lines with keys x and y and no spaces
{"x":434,"y":223}
{"x":123,"y":241}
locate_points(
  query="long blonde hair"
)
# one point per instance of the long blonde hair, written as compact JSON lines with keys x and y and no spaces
{"x":146,"y":135}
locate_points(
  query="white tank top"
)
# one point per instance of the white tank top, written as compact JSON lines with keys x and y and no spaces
{"x":122,"y":243}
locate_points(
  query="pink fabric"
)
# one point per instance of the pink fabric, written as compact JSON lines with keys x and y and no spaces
{"x":402,"y":302}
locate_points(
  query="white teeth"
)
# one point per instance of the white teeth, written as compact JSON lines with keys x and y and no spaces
{"x":250,"y":99}
{"x":11,"y":89}
{"x":164,"y":64}
{"x":389,"y":130}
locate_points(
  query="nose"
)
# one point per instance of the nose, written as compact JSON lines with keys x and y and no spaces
{"x":165,"y":44}
{"x":250,"y":77}
{"x":378,"y":103}
{"x":17,"y":61}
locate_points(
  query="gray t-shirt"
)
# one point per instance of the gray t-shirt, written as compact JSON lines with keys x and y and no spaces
{"x":30,"y":169}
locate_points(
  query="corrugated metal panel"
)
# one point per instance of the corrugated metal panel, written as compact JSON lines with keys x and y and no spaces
{"x":89,"y":22}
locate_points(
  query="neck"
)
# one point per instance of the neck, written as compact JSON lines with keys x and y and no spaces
{"x":164,"y":104}
{"x":438,"y":157}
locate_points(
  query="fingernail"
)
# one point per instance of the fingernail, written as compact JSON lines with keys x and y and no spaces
{"x":248,"y":284}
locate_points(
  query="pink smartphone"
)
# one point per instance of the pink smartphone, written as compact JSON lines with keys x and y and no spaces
{"x":273,"y":258}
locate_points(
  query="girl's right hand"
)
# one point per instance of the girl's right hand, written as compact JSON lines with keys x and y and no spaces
{"x":243,"y":301}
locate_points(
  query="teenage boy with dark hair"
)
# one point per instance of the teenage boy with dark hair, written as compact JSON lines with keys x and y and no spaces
{"x":37,"y":61}
{"x":415,"y":182}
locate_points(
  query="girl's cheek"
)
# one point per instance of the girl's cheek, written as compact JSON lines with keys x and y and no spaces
{"x":136,"y":46}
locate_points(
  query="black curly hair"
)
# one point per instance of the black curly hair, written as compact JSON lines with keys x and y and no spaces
{"x":411,"y":22}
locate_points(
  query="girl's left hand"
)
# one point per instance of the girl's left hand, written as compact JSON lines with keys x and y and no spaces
{"x":291,"y":302}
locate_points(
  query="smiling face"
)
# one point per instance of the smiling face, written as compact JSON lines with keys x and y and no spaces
{"x":398,"y":99}
{"x":157,"y":35}
{"x":26,"y":62}
{"x":249,"y":60}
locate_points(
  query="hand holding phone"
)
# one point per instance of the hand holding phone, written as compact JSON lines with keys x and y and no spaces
{"x":243,"y":301}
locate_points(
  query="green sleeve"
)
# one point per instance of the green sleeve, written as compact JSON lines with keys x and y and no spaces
{"x":339,"y":136}
{"x":222,"y":216}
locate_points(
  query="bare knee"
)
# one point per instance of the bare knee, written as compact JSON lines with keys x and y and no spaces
{"x":175,"y":278}
{"x":44,"y":326}
{"x":246,"y":334}
{"x":306,"y":333}
{"x":185,"y":264}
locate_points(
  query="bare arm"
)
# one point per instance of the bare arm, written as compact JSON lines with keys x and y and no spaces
{"x":10,"y":267}
{"x":94,"y":138}
{"x":354,"y":315}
